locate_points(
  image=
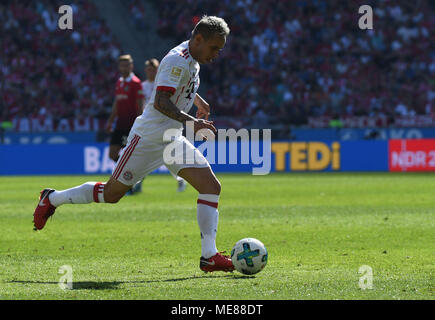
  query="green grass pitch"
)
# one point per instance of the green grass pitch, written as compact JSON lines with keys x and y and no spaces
{"x":319,"y":229}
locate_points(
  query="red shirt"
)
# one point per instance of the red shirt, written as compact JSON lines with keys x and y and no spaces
{"x":127,"y":93}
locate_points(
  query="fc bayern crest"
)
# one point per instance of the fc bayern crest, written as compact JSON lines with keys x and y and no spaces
{"x":128,"y":175}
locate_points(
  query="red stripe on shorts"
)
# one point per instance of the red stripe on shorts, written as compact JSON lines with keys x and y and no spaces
{"x":120,"y":161}
{"x":126,"y":156}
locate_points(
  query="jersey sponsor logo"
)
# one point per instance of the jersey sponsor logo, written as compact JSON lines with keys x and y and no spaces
{"x":190,"y":90}
{"x":121,"y":96}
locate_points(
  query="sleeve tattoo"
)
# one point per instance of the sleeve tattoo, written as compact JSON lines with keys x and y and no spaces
{"x":164,"y":104}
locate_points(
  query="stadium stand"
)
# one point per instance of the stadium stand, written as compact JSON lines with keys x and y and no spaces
{"x":289,"y":61}
{"x":286,"y":62}
{"x":52,"y":77}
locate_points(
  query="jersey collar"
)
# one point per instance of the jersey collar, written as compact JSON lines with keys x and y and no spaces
{"x":128,"y":79}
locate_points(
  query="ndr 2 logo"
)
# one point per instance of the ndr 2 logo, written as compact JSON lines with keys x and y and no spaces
{"x":306,"y":156}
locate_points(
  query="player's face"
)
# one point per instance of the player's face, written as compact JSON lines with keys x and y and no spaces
{"x":210,"y":49}
{"x":151,"y":72}
{"x":125,"y":68}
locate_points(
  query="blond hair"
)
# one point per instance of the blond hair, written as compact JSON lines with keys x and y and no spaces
{"x":152,"y":62}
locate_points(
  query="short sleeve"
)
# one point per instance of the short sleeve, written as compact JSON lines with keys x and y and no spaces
{"x":170,"y":74}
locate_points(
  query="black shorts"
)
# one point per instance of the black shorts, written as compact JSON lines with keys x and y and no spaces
{"x":119,"y":137}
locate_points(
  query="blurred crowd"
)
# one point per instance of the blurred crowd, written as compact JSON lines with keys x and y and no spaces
{"x":286,"y":61}
{"x":137,"y":12}
{"x":48,"y":73}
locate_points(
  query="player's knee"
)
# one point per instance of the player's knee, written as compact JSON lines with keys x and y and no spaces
{"x":210,"y":187}
{"x":218,"y":187}
{"x":215,"y":187}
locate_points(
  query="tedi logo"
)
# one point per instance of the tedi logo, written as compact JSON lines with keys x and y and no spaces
{"x":306,"y":156}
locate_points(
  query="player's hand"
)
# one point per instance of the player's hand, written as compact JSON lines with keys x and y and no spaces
{"x":201,"y":114}
{"x":203,"y":111}
{"x":204,"y":124}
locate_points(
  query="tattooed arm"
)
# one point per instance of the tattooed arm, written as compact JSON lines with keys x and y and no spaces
{"x":203,"y":107}
{"x":164,"y":104}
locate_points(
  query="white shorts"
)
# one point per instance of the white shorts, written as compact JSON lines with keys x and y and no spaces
{"x":140,"y":157}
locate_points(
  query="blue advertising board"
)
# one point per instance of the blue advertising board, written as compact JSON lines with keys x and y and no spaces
{"x":279,"y":156}
{"x":48,"y":137}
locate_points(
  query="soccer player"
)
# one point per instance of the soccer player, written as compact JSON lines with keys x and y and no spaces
{"x":127,"y":106}
{"x":151,"y":67}
{"x":175,"y":92}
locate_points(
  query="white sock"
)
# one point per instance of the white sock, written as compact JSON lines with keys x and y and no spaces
{"x":176,"y":177}
{"x":86,"y":193}
{"x":208,"y":217}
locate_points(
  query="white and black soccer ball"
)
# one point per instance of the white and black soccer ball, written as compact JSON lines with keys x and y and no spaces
{"x":249,"y":256}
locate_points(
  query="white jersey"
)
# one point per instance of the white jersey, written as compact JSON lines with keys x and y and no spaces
{"x":147,"y":89}
{"x":177,"y":73}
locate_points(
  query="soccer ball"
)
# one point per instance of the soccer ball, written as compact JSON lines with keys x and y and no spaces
{"x":249,"y":256}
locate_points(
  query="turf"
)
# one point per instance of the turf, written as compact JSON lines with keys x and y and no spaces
{"x":319,"y":229}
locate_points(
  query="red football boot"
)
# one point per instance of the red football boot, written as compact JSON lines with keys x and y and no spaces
{"x":43,"y":211}
{"x":218,"y":262}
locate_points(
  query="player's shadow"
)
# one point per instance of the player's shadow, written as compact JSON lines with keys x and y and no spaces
{"x":80,"y":285}
{"x":234,"y":276}
{"x":112,"y":285}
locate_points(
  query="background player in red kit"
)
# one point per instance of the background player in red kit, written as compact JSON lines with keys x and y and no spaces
{"x":128,"y":105}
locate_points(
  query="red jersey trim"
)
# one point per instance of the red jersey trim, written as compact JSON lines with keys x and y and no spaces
{"x":185,"y":54}
{"x":167,"y":89}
